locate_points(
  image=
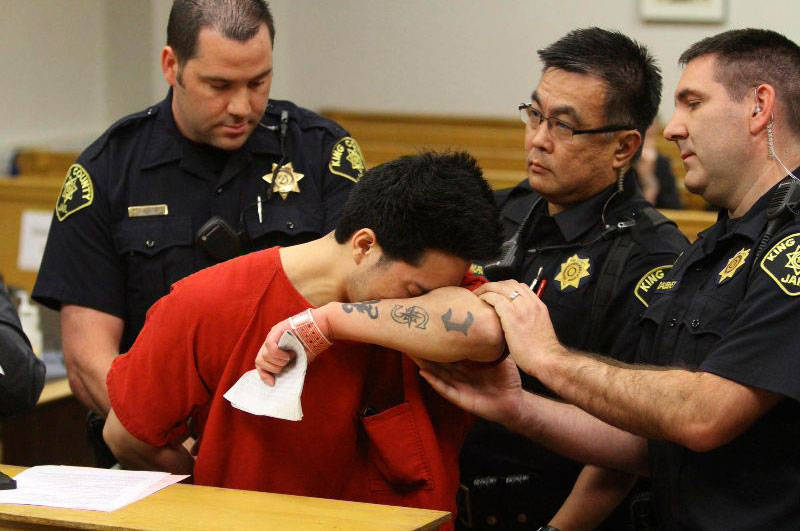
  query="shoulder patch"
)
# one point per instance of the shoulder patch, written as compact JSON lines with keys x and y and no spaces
{"x":648,"y":281}
{"x":76,"y":193}
{"x":782,"y":264}
{"x":347,"y":160}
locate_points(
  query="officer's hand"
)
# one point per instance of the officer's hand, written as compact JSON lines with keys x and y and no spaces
{"x":493,"y":392}
{"x":525,"y":320}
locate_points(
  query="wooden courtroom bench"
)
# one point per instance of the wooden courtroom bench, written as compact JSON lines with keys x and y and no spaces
{"x":496,"y":143}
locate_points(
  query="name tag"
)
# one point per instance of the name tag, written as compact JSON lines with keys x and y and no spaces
{"x":147,"y":210}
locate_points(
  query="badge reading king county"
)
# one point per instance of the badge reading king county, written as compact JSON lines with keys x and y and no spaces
{"x":573,"y":271}
{"x":77,"y":192}
{"x":285,"y":181}
{"x":782,"y":264}
{"x":733,"y":265}
{"x":347,"y":160}
{"x":649,"y":280}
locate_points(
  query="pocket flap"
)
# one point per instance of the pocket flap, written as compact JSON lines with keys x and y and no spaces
{"x":153,"y":235}
{"x":396,"y":448}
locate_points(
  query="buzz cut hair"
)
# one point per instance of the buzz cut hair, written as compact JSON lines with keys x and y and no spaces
{"x":238,"y":20}
{"x":746,"y":58}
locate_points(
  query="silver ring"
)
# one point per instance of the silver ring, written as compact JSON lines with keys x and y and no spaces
{"x":514,"y":295}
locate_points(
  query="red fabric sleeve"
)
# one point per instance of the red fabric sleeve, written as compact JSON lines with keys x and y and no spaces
{"x":155,"y":387}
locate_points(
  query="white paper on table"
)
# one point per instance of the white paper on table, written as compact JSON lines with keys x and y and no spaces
{"x":282,"y":400}
{"x":76,"y":487}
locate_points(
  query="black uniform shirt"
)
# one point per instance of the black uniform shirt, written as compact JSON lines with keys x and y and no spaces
{"x":571,"y":253}
{"x":126,"y":221}
{"x":724,"y":311}
{"x":572,"y":271}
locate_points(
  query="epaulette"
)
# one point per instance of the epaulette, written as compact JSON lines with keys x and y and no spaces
{"x":304,"y":118}
{"x":97,"y":146}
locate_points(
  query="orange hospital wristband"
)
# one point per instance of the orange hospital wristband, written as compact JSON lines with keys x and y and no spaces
{"x":305,"y":328}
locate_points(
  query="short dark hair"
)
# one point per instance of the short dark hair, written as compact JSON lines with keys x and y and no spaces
{"x":428,"y":201}
{"x":633,"y":79}
{"x":748,"y":57}
{"x":238,"y":20}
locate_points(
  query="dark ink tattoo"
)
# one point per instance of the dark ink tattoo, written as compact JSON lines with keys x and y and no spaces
{"x":462,"y":327}
{"x":413,"y":315}
{"x":367,"y":307}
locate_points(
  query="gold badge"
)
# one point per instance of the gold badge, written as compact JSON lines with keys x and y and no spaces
{"x":476,"y":269}
{"x":649,"y":280}
{"x":782,"y":264}
{"x":285,"y":181}
{"x":77,"y":192}
{"x":573,"y":271}
{"x":733,"y":265}
{"x":347,"y":160}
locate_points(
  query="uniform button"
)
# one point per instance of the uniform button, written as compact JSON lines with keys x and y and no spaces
{"x":149,"y":244}
{"x":289,"y":225}
{"x":672,"y":322}
{"x":695,"y":323}
{"x":219,"y":190}
{"x":698,"y":267}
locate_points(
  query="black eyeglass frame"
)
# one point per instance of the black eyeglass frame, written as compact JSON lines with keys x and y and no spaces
{"x":604,"y":129}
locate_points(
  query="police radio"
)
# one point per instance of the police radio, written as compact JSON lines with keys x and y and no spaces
{"x":783,"y":204}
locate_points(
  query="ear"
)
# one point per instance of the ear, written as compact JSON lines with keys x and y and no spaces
{"x":169,"y":65}
{"x":364,"y":245}
{"x":627,"y":145}
{"x":762,"y":110}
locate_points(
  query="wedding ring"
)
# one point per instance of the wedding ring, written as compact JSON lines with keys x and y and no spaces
{"x":514,"y":295}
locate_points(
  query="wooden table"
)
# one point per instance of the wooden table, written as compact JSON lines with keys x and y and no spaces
{"x":188,"y":507}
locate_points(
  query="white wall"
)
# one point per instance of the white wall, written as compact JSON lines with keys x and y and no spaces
{"x":468,"y":56}
{"x":73,"y":66}
{"x":53,"y":86}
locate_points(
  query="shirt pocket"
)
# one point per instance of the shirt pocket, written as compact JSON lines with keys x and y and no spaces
{"x":397,"y":451}
{"x":702,"y":327}
{"x":156,"y":252}
{"x":284,"y":222}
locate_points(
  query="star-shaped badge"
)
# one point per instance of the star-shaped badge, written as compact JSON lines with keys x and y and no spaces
{"x":572,"y":271}
{"x":285,"y":181}
{"x":736,"y":261}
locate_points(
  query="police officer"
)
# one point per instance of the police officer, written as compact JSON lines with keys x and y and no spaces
{"x":584,"y":238}
{"x":212,"y":171}
{"x":716,"y":425}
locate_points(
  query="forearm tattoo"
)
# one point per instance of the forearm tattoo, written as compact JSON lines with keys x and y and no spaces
{"x":413,"y":315}
{"x":452,"y":326}
{"x":368,"y":307}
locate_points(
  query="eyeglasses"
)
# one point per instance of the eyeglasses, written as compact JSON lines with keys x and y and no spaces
{"x":532,"y":116}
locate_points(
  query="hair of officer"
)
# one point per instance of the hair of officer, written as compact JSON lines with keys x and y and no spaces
{"x":427,"y":201}
{"x":237,"y":20}
{"x":749,"y":57}
{"x":632,"y":77}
